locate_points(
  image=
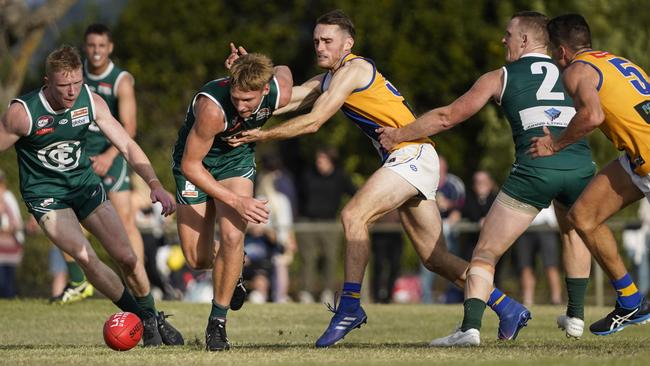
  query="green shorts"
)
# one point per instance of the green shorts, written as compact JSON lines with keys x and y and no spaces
{"x":117,"y":179}
{"x":83,"y":202}
{"x":189,"y":194}
{"x":539,"y":186}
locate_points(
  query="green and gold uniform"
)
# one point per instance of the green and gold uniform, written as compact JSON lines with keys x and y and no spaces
{"x":222,"y":161}
{"x":55,"y":172}
{"x":105,"y":85}
{"x":533,"y":97}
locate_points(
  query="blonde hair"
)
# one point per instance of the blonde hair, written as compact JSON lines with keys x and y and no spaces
{"x":65,"y":58}
{"x":251,"y":72}
{"x":535,"y":23}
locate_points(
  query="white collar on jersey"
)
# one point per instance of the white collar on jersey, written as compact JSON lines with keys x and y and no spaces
{"x":535,"y":54}
{"x":104,"y":74}
{"x":47,"y":105}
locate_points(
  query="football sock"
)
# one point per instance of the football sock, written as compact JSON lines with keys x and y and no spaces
{"x":147,"y":303}
{"x":473,"y":313}
{"x":576,"y":288}
{"x":351,"y":297}
{"x":498,"y":301}
{"x":629,"y":296}
{"x":127,"y":303}
{"x":75,"y":274}
{"x":218,"y":311}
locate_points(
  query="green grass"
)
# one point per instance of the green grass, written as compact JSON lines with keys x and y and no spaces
{"x":35,"y":333}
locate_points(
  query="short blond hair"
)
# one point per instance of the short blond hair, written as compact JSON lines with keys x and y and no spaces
{"x":65,"y":58}
{"x":535,"y":23}
{"x":251,"y":72}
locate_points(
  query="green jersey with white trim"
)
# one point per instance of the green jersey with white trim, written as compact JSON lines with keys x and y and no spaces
{"x":533,"y":97}
{"x":218,"y":91}
{"x":105,"y":85}
{"x":52,"y":158}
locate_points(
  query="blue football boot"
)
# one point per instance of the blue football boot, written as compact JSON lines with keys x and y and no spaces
{"x":340,"y":325}
{"x":515,"y":317}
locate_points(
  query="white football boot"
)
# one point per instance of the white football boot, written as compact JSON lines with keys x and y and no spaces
{"x":471,"y":337}
{"x":573,"y":326}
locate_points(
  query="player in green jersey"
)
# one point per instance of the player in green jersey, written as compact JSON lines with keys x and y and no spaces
{"x":531,"y":94}
{"x":48,"y":128}
{"x":214,"y":182}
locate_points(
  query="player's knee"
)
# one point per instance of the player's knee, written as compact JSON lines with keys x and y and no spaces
{"x":582,"y":223}
{"x":127,"y":262}
{"x":232,"y":239}
{"x":198,"y":263}
{"x":353,"y":220}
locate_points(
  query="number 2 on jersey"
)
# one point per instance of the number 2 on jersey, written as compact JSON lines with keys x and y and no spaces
{"x":550,"y":79}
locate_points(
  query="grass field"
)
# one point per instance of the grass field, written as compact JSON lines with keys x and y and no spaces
{"x":35,"y":333}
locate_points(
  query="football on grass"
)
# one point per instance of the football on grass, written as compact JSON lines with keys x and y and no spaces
{"x":122,"y":331}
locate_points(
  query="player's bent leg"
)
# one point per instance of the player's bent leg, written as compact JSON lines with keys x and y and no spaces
{"x":121,"y":201}
{"x":77,"y":287}
{"x":196,"y":228}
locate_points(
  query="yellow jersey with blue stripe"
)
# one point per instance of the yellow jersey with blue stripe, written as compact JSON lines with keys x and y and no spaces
{"x":378,"y":104}
{"x":624,"y":91}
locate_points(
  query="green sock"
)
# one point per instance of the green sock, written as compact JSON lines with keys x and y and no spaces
{"x":147,"y":303}
{"x":75,"y":274}
{"x":128,"y":303}
{"x":576,"y":288}
{"x":474,"y":309}
{"x":218,"y":311}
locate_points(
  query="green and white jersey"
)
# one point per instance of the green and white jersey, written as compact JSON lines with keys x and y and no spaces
{"x":533,"y":97}
{"x":105,"y":85}
{"x":218,"y":91}
{"x":52,"y":158}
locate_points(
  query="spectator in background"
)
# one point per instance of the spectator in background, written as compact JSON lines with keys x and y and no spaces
{"x":450,"y":199}
{"x":11,"y":240}
{"x":636,"y":244}
{"x":282,"y":179}
{"x":387,"y":258}
{"x":546,"y":244}
{"x":478,"y":203}
{"x":323,"y":188}
{"x":281,"y":221}
{"x":260,"y":244}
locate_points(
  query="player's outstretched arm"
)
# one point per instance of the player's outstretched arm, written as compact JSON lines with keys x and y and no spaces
{"x":581,"y":83}
{"x":209,"y":123}
{"x":350,"y":77}
{"x":14,"y":123}
{"x":302,"y":96}
{"x":133,"y":154}
{"x":440,"y":119}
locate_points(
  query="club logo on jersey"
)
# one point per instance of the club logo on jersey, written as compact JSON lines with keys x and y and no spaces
{"x":413,"y":168}
{"x":46,"y":202}
{"x":63,"y":121}
{"x":44,"y":121}
{"x":109,"y":180}
{"x":61,"y":156}
{"x":552,"y":113}
{"x":44,"y":131}
{"x":80,"y":117}
{"x":263,"y":113}
{"x":190,"y":190}
{"x":105,"y":88}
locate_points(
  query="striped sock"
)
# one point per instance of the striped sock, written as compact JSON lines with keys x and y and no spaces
{"x":351,"y":297}
{"x":498,"y":301}
{"x":629,"y":296}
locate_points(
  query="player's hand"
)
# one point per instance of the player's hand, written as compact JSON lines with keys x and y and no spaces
{"x":245,"y":137}
{"x":101,"y":163}
{"x":388,"y":137}
{"x":542,"y":146}
{"x":252,"y":210}
{"x":235,"y":53}
{"x":159,"y":194}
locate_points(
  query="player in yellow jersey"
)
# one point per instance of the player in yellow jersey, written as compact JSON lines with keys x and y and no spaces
{"x":613,"y":94}
{"x":407,"y":181}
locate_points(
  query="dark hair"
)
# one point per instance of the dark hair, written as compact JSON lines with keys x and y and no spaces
{"x":338,"y":17}
{"x":570,"y":30}
{"x":100,"y":29}
{"x":535,"y":22}
{"x":330,"y":152}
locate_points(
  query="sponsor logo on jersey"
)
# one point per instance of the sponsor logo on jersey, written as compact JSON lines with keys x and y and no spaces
{"x":63,"y":121}
{"x":600,"y":54}
{"x":190,"y":190}
{"x":643,"y":109}
{"x":45,"y":131}
{"x":44,"y":121}
{"x":80,"y":121}
{"x":46,"y":202}
{"x":79,"y":112}
{"x":552,"y":113}
{"x":413,"y":168}
{"x":61,"y":155}
{"x":105,"y":88}
{"x":223,"y":82}
{"x":263,"y":113}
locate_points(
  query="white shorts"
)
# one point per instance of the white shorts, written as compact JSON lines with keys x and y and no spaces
{"x":418,"y":164}
{"x":643,"y":183}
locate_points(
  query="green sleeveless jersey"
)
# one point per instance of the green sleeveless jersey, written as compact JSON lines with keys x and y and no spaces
{"x":105,"y":85}
{"x":218,"y":91}
{"x":533,"y":97}
{"x":52,"y":160}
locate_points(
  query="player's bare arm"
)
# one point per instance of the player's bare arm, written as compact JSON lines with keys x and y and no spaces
{"x":285,"y":83}
{"x":127,"y":116}
{"x":355,"y":74}
{"x":487,"y":87}
{"x":302,"y":96}
{"x":581,"y":82}
{"x":209,"y":123}
{"x":133,"y":154}
{"x":14,"y":123}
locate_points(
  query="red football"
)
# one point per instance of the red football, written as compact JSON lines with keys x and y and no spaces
{"x":122,"y":331}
